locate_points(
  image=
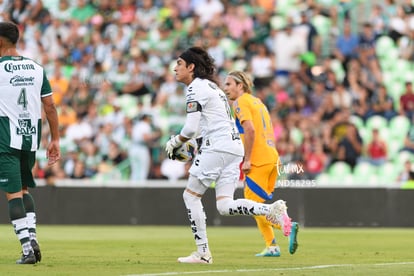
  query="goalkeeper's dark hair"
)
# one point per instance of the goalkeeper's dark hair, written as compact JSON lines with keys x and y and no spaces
{"x":204,"y":67}
{"x":9,"y":31}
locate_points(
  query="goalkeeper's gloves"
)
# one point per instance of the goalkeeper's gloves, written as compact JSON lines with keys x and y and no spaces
{"x":172,"y":144}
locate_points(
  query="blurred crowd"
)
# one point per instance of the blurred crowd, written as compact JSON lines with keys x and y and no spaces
{"x":314,"y":63}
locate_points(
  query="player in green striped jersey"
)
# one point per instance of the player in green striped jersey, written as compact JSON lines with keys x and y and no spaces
{"x":24,"y":89}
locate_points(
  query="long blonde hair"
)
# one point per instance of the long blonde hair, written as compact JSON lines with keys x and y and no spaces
{"x":243,"y":78}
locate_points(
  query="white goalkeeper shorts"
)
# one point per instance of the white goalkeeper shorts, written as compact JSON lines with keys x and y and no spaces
{"x":219,"y":167}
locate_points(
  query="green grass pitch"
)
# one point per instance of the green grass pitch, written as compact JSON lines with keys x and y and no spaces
{"x":153,"y":250}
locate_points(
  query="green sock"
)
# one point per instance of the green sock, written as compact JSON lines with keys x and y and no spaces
{"x":17,"y":215}
{"x":30,"y":214}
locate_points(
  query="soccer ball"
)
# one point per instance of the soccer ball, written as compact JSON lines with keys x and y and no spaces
{"x":186,"y":151}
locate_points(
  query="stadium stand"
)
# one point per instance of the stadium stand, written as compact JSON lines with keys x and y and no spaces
{"x":116,"y":57}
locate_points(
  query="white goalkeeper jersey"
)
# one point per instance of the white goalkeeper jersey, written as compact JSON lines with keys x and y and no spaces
{"x":23,"y":83}
{"x":217,"y":126}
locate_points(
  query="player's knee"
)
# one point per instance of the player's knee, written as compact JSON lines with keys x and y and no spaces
{"x":189,"y":198}
{"x":223,"y":206}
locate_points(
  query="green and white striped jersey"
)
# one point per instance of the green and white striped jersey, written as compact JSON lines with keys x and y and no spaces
{"x":23,"y":83}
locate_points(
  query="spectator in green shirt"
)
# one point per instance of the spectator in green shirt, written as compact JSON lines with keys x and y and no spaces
{"x":83,"y":11}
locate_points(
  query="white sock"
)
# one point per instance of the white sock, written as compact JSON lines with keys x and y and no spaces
{"x":22,"y":232}
{"x":203,"y":249}
{"x":27,"y":248}
{"x":243,"y":207}
{"x":31,"y":224}
{"x":197,"y":218}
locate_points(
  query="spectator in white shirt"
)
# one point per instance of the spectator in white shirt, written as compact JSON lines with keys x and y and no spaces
{"x":287,"y":48}
{"x":208,"y":9}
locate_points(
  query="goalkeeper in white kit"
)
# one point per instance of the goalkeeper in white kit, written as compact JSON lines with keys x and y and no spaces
{"x":220,"y":154}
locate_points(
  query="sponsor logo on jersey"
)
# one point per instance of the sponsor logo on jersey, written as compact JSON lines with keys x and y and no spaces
{"x":22,"y":81}
{"x":25,"y":127}
{"x":10,"y":67}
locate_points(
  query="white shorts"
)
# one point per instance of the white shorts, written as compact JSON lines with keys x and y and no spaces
{"x":221,"y":167}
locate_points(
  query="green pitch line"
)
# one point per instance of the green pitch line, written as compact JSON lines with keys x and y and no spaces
{"x":153,"y":250}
